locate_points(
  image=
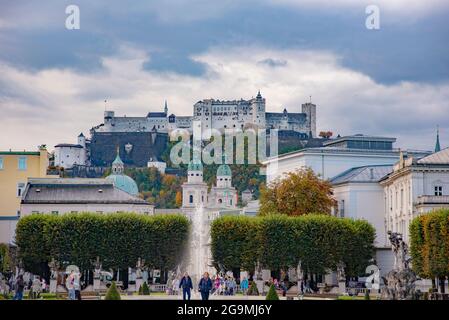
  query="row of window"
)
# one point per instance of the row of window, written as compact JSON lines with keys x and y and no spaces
{"x":21,"y":164}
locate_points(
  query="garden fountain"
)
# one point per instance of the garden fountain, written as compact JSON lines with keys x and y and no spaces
{"x":199,"y":257}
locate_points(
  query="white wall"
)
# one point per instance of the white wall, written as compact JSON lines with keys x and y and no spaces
{"x":66,"y":157}
{"x":7,"y":230}
{"x":27,"y":209}
{"x":364,"y":201}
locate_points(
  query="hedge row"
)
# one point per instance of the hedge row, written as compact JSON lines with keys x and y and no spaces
{"x":118,"y":239}
{"x":320,"y":242}
{"x":429,"y":244}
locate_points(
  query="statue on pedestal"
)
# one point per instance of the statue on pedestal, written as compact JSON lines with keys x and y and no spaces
{"x":97,"y":268}
{"x":139,"y":267}
{"x":53,"y":265}
{"x":341,"y":276}
{"x":399,"y":282}
{"x":258,"y":272}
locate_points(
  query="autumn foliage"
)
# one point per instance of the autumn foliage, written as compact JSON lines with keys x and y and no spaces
{"x":299,"y":193}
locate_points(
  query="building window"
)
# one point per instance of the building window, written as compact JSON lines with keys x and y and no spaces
{"x":22,"y":163}
{"x":1,"y":163}
{"x":342,"y":208}
{"x":438,"y":190}
{"x":20,"y":188}
{"x":55,"y":213}
{"x":34,"y":212}
{"x":191,"y":199}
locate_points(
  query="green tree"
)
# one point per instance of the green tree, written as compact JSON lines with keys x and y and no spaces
{"x":117,"y":239}
{"x":5,"y":260}
{"x":429,"y":250}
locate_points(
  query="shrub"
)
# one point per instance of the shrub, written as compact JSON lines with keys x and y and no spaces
{"x":367,"y":297}
{"x":144,"y":289}
{"x":112,"y":293}
{"x":272,"y":294}
{"x":253,"y":291}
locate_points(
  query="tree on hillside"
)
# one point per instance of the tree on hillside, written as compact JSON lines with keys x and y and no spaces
{"x":301,"y":192}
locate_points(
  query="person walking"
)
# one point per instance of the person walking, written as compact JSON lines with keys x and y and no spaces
{"x":244,"y":285}
{"x":69,"y":283}
{"x":77,"y":286}
{"x":20,"y":285}
{"x":186,"y":285}
{"x":205,"y":286}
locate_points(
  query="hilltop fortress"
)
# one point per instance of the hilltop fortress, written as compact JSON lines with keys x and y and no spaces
{"x":143,"y":139}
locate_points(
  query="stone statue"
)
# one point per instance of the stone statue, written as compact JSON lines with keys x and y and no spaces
{"x":97,"y":268}
{"x":341,"y":276}
{"x":53,"y":265}
{"x":139,"y":266}
{"x":300,"y":272}
{"x":258,"y":272}
{"x":399,"y":282}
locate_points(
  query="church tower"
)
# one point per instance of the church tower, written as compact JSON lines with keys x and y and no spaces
{"x":223,"y":195}
{"x":194,"y":191}
{"x":437,"y":144}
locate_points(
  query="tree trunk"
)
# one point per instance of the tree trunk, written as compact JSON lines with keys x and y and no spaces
{"x":442,"y":282}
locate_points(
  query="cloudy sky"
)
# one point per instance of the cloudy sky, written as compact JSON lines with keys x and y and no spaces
{"x":392,"y":82}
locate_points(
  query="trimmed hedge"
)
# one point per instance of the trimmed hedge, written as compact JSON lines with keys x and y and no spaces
{"x":118,"y":239}
{"x":5,"y":261}
{"x":320,"y":242}
{"x":429,"y":244}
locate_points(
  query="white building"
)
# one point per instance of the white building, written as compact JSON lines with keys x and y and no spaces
{"x":159,"y":165}
{"x":60,"y":196}
{"x":68,"y":155}
{"x":337,"y":156}
{"x":416,"y":186}
{"x":360,"y":196}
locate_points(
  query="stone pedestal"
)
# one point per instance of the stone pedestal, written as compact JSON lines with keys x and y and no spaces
{"x":342,"y":287}
{"x":97,"y":284}
{"x":53,"y":285}
{"x":266,"y":274}
{"x":260,"y":284}
{"x":139,"y":282}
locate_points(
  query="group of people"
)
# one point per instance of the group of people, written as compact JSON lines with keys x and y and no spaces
{"x":217,"y":285}
{"x":226,"y":285}
{"x":18,"y":285}
{"x":204,"y":286}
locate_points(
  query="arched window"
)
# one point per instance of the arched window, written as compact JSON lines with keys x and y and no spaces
{"x":220,"y":201}
{"x":190,"y":198}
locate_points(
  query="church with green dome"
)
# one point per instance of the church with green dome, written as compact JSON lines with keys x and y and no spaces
{"x":195,"y":191}
{"x":120,"y":180}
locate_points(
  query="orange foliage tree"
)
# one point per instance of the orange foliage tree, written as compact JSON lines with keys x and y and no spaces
{"x":299,"y":193}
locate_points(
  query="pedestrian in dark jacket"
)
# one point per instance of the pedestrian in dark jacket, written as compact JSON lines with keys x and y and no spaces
{"x":205,"y":286}
{"x":186,"y":285}
{"x":20,"y":285}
